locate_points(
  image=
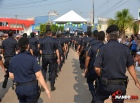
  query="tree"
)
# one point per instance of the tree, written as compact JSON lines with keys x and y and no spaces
{"x":56,"y":28}
{"x":135,"y":28}
{"x":42,"y":28}
{"x":123,"y":19}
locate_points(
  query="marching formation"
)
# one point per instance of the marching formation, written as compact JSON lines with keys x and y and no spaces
{"x":24,"y":65}
{"x":104,"y":63}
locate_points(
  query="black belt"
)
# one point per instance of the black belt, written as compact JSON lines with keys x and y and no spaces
{"x":8,"y":56}
{"x":116,"y":82}
{"x":27,"y":83}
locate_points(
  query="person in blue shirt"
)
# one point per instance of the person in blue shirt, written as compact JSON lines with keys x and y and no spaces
{"x":25,"y":72}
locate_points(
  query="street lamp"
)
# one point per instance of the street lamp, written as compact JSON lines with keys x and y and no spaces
{"x":16,"y":23}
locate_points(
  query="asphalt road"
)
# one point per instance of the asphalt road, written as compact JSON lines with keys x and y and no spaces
{"x":71,"y":86}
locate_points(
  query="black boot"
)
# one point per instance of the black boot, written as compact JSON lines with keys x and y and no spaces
{"x":52,"y":87}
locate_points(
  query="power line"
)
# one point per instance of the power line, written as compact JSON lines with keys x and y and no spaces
{"x":17,"y":2}
{"x":117,"y":7}
{"x":110,"y":8}
{"x":101,"y":6}
{"x":26,"y":3}
{"x":40,"y":5}
{"x":36,"y":6}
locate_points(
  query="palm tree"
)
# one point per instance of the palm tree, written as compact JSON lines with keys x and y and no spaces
{"x":135,"y":28}
{"x":123,"y":19}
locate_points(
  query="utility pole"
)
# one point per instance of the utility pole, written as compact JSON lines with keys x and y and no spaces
{"x":93,"y":12}
{"x":16,"y":23}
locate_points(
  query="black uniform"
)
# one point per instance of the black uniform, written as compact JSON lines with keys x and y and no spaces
{"x":9,"y":46}
{"x":91,"y":75}
{"x":34,"y":45}
{"x":49,"y":46}
{"x":112,"y":58}
{"x":24,"y":75}
{"x":81,"y":56}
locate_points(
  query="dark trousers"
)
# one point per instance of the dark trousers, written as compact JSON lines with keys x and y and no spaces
{"x":27,"y":93}
{"x":52,"y":62}
{"x":92,"y":76}
{"x":104,"y":91}
{"x":82,"y":61}
{"x":6,"y":65}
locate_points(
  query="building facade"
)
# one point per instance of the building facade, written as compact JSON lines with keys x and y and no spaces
{"x":17,"y":25}
{"x":39,"y":20}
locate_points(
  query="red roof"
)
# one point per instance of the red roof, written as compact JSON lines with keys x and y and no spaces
{"x":27,"y":23}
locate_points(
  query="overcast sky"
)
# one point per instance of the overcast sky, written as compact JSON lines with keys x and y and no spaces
{"x":31,"y":8}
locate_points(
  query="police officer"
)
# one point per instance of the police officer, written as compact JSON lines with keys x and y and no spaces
{"x":111,"y":62}
{"x":25,"y":72}
{"x":9,"y":47}
{"x":61,"y":50}
{"x":84,"y":44}
{"x":33,"y":45}
{"x":81,"y":51}
{"x":50,"y":56}
{"x":90,"y":58}
{"x":41,"y":36}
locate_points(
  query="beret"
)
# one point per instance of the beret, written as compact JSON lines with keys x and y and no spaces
{"x":23,"y":41}
{"x":112,"y":28}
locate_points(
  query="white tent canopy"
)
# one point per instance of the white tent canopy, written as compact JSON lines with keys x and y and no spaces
{"x":70,"y":17}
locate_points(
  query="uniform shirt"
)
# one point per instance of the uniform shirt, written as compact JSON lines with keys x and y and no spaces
{"x":48,"y":46}
{"x":83,"y":41}
{"x":39,"y":41}
{"x":92,"y":51}
{"x":113,"y":58}
{"x":33,"y":44}
{"x":24,"y":66}
{"x":9,"y":45}
{"x":91,"y":41}
{"x":62,"y":41}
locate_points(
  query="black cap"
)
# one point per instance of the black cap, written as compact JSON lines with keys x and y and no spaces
{"x":23,"y":41}
{"x":112,"y":28}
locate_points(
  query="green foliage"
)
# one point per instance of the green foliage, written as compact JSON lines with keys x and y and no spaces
{"x":135,"y":27}
{"x":123,"y":19}
{"x":53,"y":27}
{"x":42,"y":28}
{"x":56,"y":28}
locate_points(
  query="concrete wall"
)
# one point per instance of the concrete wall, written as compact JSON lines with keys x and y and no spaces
{"x":28,"y":30}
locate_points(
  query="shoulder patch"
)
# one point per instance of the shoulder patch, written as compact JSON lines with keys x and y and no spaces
{"x":97,"y":52}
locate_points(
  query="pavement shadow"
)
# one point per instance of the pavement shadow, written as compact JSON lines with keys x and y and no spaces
{"x":3,"y":91}
{"x":80,"y":87}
